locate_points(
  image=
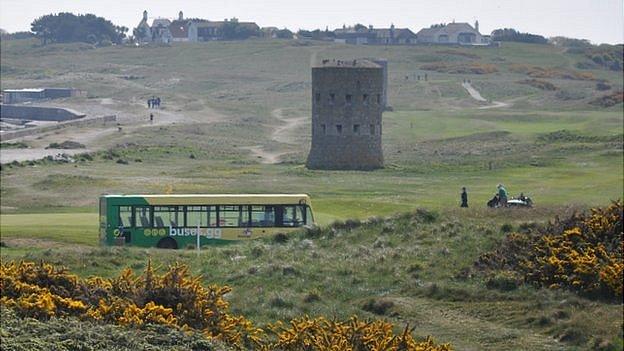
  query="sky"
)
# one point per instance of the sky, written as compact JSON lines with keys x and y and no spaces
{"x":600,"y":21}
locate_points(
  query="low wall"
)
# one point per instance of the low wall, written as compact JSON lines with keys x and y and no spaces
{"x":86,"y":122}
{"x":36,"y":113}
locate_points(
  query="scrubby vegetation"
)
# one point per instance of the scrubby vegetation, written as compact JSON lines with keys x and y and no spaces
{"x":15,"y":145}
{"x":468,"y":68}
{"x":539,"y":84}
{"x":562,"y":136}
{"x":178,"y":300}
{"x":70,"y":334}
{"x":582,"y":253}
{"x":543,"y":72}
{"x":67,"y":144}
{"x":459,"y":53}
{"x":607,"y":56}
{"x":609,"y":99}
{"x":411,"y":268}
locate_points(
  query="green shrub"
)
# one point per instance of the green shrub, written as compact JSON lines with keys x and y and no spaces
{"x":503,"y":281}
{"x":378,"y":306}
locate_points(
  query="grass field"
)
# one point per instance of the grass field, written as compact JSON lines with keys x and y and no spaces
{"x":419,"y":265}
{"x":221,"y":98}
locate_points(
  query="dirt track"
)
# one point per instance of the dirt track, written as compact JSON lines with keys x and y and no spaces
{"x":282,"y":134}
{"x":474,"y":93}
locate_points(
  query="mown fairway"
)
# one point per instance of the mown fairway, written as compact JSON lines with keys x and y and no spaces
{"x":223,"y":99}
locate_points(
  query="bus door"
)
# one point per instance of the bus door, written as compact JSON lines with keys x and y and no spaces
{"x":125,"y":222}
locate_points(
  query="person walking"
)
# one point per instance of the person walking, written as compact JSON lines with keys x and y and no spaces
{"x":149,"y":103}
{"x":151,"y":117}
{"x":502,"y":194}
{"x":464,"y":197}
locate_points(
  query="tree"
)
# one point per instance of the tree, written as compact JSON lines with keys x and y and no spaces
{"x":66,"y":27}
{"x":510,"y":34}
{"x":570,"y":42}
{"x":233,"y":29}
{"x":360,"y":27}
{"x":284,"y":34}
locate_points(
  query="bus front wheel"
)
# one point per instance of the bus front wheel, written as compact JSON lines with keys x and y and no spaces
{"x":167,"y":243}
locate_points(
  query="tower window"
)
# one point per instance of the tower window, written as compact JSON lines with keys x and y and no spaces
{"x":324,"y":129}
{"x":365,"y":99}
{"x":332,"y":99}
{"x":378,"y":98}
{"x":348,"y":99}
{"x":339,"y":129}
{"x":318,"y":97}
{"x":372,"y":129}
{"x":356,"y":129}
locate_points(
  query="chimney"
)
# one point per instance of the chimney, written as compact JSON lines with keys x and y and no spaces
{"x":180,"y":16}
{"x":477,"y":26}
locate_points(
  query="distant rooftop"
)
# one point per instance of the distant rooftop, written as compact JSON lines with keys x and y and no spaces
{"x":357,"y":63}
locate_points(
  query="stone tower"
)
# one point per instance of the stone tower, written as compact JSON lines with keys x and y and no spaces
{"x":145,"y":15}
{"x":347,"y":103}
{"x":384,"y":66}
{"x":180,"y":16}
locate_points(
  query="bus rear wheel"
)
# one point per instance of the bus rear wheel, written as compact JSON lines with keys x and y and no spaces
{"x":167,"y":243}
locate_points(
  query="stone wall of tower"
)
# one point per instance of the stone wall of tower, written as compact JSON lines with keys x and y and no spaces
{"x":347,"y":105}
{"x":384,"y":66}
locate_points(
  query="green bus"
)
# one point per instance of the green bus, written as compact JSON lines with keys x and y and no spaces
{"x":178,"y":221}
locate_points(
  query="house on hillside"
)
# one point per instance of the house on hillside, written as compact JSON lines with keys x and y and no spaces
{"x":395,"y":36}
{"x":161,"y":33}
{"x":346,"y":36}
{"x":179,"y":29}
{"x":460,"y":33}
{"x":165,"y":31}
{"x":158,"y":32}
{"x":206,"y":31}
{"x":269,"y":32}
{"x":143,"y":32}
{"x":375,"y":36}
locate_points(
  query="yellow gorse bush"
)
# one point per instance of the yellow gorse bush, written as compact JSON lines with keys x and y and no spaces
{"x":322,"y":334}
{"x":178,"y":299}
{"x":582,"y":253}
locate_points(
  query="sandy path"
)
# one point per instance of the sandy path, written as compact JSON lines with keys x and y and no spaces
{"x":477,"y":96}
{"x":92,"y":137}
{"x":282,"y":134}
{"x":96,"y":138}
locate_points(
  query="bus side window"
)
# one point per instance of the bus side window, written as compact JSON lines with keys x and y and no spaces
{"x":262,"y":216}
{"x":125,"y":216}
{"x":203,"y":216}
{"x":169,"y":216}
{"x":234,"y":216}
{"x":142,"y":215}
